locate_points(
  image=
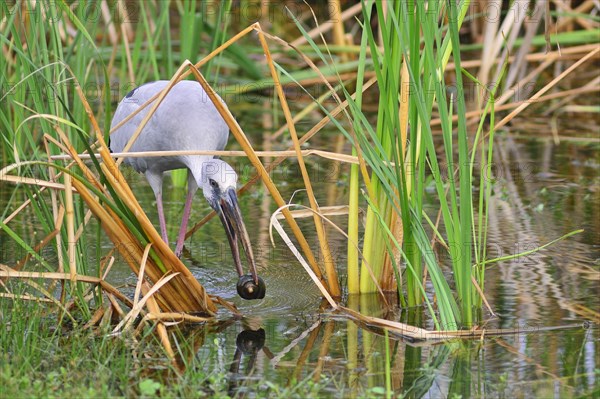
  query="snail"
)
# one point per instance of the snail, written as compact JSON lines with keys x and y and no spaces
{"x":248,"y":289}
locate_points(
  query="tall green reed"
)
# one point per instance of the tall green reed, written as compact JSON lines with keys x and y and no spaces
{"x":401,"y":152}
{"x":427,"y":42}
{"x":38,"y":81}
{"x":404,"y":28}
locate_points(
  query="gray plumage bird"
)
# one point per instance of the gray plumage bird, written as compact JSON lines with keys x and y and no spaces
{"x":187,"y":120}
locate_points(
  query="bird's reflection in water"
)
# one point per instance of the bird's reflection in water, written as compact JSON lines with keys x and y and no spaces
{"x":249,"y":343}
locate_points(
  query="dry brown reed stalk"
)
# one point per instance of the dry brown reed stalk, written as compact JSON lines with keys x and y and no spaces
{"x":591,"y":86}
{"x":567,"y":53}
{"x":333,"y":156}
{"x":548,"y":60}
{"x":184,"y":293}
{"x":547,"y":87}
{"x":8,"y":272}
{"x":397,"y":328}
{"x":138,"y":305}
{"x":334,"y":210}
{"x":583,"y":8}
{"x":136,"y":308}
{"x":330,"y":270}
{"x":345,"y":15}
{"x":115,"y":307}
{"x":175,"y":317}
{"x":339,"y":35}
{"x":348,"y":76}
{"x":518,"y":68}
{"x":308,"y":110}
{"x":504,"y":107}
{"x":58,"y":217}
{"x":495,"y":39}
{"x":95,"y":319}
{"x":70,"y":216}
{"x":324,"y":80}
{"x":109,"y":23}
{"x":24,"y":297}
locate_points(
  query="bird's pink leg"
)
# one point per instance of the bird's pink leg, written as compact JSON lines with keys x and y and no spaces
{"x":192,"y":188}
{"x":161,"y":218}
{"x":155,"y":179}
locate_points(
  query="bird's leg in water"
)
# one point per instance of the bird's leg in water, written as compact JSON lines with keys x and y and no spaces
{"x":192,"y":188}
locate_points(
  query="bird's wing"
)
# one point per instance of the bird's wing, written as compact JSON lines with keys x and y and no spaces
{"x":129,"y":104}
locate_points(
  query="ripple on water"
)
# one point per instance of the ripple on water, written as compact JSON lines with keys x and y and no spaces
{"x":289,"y":289}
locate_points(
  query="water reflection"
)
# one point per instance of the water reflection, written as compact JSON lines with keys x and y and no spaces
{"x":344,"y":360}
{"x":247,"y":345}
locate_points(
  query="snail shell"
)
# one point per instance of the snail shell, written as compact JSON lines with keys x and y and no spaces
{"x":247,"y":289}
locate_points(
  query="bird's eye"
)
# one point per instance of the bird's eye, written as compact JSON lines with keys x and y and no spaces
{"x":213,"y":183}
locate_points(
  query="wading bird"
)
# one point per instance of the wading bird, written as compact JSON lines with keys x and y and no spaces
{"x":187,"y":120}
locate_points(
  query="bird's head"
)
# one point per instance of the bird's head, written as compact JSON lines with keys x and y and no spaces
{"x":218,"y":179}
{"x":219,"y":184}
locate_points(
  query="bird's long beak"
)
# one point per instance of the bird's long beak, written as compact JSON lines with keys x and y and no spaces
{"x":231,"y":217}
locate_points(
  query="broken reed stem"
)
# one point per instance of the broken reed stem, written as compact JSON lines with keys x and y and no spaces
{"x":342,"y":104}
{"x":174,"y":317}
{"x":274,"y":222}
{"x":182,"y":289}
{"x":138,"y":286}
{"x":128,"y":320}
